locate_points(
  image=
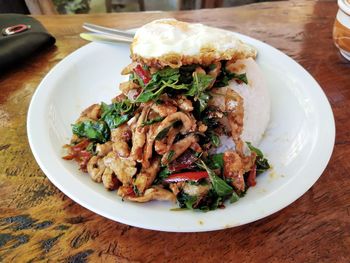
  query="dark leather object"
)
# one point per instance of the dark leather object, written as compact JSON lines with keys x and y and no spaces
{"x":14,"y":49}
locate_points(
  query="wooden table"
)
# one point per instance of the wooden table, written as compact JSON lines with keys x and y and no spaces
{"x":39,"y":223}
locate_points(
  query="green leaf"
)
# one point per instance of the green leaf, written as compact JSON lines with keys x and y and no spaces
{"x":234,"y":197}
{"x":216,"y":161}
{"x":262,"y":163}
{"x":170,"y":155}
{"x":214,"y":139}
{"x":241,"y":77}
{"x":256,"y":150}
{"x":150,"y":122}
{"x":117,"y":113}
{"x":203,"y":101}
{"x":219,"y":185}
{"x":114,"y":120}
{"x":94,"y":130}
{"x":186,"y":200}
{"x":164,"y":173}
{"x":163,"y":133}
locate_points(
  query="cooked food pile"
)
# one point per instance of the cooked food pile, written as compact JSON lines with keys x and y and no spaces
{"x":187,"y":121}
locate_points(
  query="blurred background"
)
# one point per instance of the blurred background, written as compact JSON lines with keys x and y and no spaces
{"x":106,"y":6}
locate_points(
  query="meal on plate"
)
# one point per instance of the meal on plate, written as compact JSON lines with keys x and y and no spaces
{"x":186,"y":124}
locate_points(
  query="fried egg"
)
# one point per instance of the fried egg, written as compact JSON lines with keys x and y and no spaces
{"x":169,"y":42}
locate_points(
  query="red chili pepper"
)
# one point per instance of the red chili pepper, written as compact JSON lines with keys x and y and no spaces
{"x":80,"y":146}
{"x":252,"y":176}
{"x":187,"y":176}
{"x":145,"y":75}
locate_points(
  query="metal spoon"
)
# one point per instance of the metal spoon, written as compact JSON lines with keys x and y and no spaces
{"x":105,"y":34}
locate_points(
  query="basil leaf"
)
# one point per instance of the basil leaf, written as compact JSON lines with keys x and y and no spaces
{"x":262,"y":163}
{"x":117,"y":113}
{"x":216,"y":161}
{"x":163,"y":133}
{"x":145,"y":96}
{"x":164,"y":173}
{"x":150,"y":122}
{"x":219,"y":185}
{"x":241,"y":77}
{"x":256,"y":150}
{"x":94,"y":130}
{"x":170,"y":155}
{"x":214,"y":139}
{"x":203,"y":101}
{"x":186,"y":200}
{"x":114,"y":120}
{"x":234,"y":197}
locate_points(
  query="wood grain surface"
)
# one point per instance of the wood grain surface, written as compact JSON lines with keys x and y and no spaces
{"x":40,"y":224}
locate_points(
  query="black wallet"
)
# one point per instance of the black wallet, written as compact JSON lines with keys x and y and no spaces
{"x":21,"y":36}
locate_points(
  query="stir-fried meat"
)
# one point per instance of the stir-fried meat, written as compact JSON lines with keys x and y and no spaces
{"x":233,"y":67}
{"x":163,"y":146}
{"x":103,"y":149}
{"x":96,"y":168}
{"x":236,"y":166}
{"x":153,"y":193}
{"x":178,"y":148}
{"x":196,"y":147}
{"x":125,"y":191}
{"x":184,"y":104}
{"x":147,"y":175}
{"x":120,"y":138}
{"x":199,"y":70}
{"x":148,"y":151}
{"x":90,"y":113}
{"x":216,"y":69}
{"x":139,"y":135}
{"x":129,"y":68}
{"x":235,"y":118}
{"x":124,"y":169}
{"x":109,"y":179}
{"x":202,"y":127}
{"x":119,"y":98}
{"x":127,"y":86}
{"x":188,"y":123}
{"x":164,"y":109}
{"x":196,"y":190}
{"x":176,"y":187}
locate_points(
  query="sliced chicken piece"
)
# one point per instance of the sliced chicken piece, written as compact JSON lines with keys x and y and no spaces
{"x":164,"y":109}
{"x":139,"y":135}
{"x":188,"y":123}
{"x":184,"y":104}
{"x":103,"y":149}
{"x":196,"y":190}
{"x":129,"y":68}
{"x":96,"y":168}
{"x":178,"y":148}
{"x":236,"y":166}
{"x":120,"y":138}
{"x":147,"y":175}
{"x":148,"y":150}
{"x":163,"y":146}
{"x":235,"y":118}
{"x":109,"y":179}
{"x":153,"y":193}
{"x":127,"y":86}
{"x":124,"y":169}
{"x":92,"y":112}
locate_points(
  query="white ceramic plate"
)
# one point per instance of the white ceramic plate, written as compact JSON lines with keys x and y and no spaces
{"x":298,"y":143}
